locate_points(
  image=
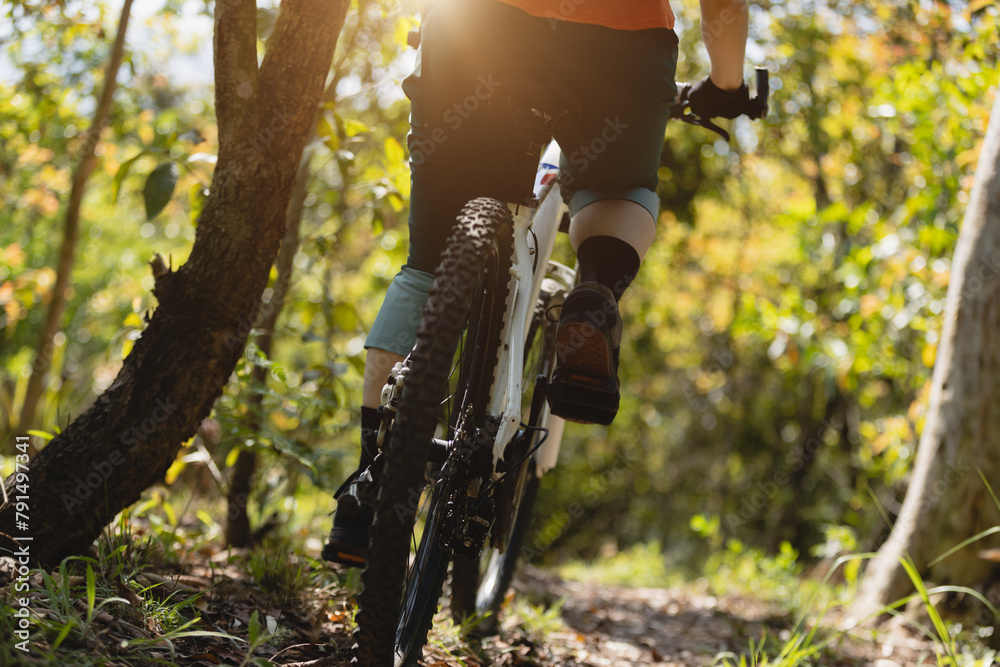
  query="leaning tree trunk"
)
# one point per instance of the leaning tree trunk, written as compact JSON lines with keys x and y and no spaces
{"x":125,"y":442}
{"x":946,"y":501}
{"x":237,"y":520}
{"x":71,"y":228}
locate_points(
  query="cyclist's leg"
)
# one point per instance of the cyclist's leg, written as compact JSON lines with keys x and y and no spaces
{"x":610,"y":164}
{"x":620,"y":218}
{"x":610,"y":160}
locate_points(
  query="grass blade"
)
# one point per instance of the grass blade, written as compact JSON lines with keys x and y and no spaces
{"x":63,"y":634}
{"x":943,"y":635}
{"x":988,"y":486}
{"x":91,"y":593}
{"x":967,"y":591}
{"x":964,"y":543}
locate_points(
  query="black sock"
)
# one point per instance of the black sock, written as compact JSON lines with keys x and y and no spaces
{"x":370,"y":421}
{"x":609,"y":261}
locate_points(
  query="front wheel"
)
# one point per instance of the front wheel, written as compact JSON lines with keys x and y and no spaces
{"x":400,"y":591}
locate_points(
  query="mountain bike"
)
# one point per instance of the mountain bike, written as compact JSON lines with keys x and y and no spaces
{"x":466,"y":429}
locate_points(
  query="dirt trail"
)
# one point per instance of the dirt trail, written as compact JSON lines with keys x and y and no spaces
{"x":609,"y":626}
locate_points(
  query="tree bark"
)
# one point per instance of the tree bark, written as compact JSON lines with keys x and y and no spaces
{"x":125,"y":442}
{"x":71,"y":228}
{"x":238,"y":532}
{"x":946,"y":501}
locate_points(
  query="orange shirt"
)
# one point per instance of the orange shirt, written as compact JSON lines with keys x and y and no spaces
{"x":618,"y":14}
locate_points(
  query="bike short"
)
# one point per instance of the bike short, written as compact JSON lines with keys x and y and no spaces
{"x":461,"y":145}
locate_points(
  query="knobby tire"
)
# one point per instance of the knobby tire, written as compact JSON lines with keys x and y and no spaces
{"x":444,"y":318}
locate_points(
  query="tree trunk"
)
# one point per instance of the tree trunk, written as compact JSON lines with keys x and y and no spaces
{"x":125,"y":442}
{"x":71,"y":228}
{"x":946,"y":501}
{"x":237,"y":521}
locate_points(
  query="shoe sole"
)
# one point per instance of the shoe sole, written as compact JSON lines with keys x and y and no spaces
{"x":583,"y":351}
{"x":348,"y":557}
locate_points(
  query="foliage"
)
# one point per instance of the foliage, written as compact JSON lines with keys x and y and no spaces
{"x":780,"y":340}
{"x":639,"y":565}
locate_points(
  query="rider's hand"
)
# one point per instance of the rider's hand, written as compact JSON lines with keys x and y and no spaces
{"x":709,"y":101}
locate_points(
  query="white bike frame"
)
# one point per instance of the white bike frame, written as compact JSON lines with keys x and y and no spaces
{"x":535,"y":231}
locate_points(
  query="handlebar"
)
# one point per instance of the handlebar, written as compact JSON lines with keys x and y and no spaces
{"x":755,"y":108}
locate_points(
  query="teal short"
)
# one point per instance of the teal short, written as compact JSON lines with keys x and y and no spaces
{"x":461,"y":144}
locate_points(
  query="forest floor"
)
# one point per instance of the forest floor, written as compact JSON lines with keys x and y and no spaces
{"x":258,"y":608}
{"x":606,"y":626}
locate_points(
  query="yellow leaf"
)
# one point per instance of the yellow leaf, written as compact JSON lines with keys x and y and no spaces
{"x":283,"y":421}
{"x":928,"y":355}
{"x":969,"y":156}
{"x":402,"y":29}
{"x":234,"y":454}
{"x":132,"y":320}
{"x":168,"y":509}
{"x":173,"y":471}
{"x":402,"y":183}
{"x":393,"y":151}
{"x":354,"y":127}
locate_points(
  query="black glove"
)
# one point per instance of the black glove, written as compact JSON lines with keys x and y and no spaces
{"x":709,"y":101}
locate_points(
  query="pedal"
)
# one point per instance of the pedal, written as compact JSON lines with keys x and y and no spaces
{"x":582,"y":398}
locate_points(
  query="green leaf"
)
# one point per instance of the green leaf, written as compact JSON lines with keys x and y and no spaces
{"x":197,"y":196}
{"x":253,"y":631}
{"x":159,"y":188}
{"x":122,"y":172}
{"x":41,"y":434}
